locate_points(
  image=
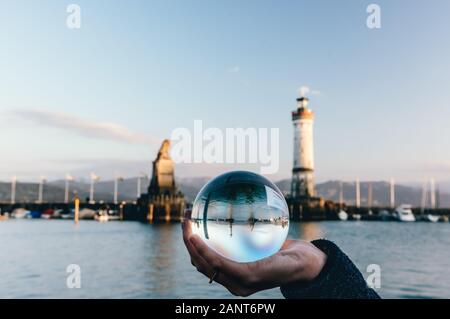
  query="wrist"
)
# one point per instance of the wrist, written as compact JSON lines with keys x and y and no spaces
{"x":316,"y":263}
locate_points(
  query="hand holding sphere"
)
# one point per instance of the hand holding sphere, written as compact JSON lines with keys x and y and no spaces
{"x":296,"y":261}
{"x":236,"y":235}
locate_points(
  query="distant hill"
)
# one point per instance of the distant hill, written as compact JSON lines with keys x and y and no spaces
{"x":380,"y":193}
{"x":54,"y":191}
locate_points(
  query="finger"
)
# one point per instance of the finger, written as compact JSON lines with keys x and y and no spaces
{"x":187,"y":233}
{"x":208,"y":265}
{"x":206,"y":268}
{"x":187,"y":229}
{"x":187,"y":213}
{"x":199,"y":263}
{"x":196,"y":259}
{"x":261,"y":274}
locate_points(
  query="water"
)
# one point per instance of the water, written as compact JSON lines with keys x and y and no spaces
{"x":134,"y":260}
{"x":241,"y":215}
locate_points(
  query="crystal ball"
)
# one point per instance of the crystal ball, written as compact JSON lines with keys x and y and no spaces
{"x":241,"y":215}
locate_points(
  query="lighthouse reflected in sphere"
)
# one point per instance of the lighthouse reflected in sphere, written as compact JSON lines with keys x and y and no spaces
{"x":241,"y":215}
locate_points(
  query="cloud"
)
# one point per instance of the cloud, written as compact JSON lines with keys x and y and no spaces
{"x":84,"y":127}
{"x":234,"y":69}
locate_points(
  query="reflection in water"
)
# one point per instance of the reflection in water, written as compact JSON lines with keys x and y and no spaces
{"x":161,"y":268}
{"x":133,"y":260}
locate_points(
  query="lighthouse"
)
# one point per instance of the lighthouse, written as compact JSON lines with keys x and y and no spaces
{"x":302,"y":185}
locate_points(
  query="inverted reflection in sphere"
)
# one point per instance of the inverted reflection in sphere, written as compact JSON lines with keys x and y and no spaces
{"x":241,"y":215}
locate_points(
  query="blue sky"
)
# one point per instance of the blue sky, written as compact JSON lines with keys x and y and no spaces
{"x":148,"y":67}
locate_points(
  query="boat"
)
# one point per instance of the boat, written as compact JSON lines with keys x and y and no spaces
{"x":428,"y":218}
{"x":34,"y":214}
{"x":385,"y":216}
{"x":57,"y":213}
{"x":356,"y":217}
{"x":3,"y":215}
{"x":102,"y":216}
{"x":68,"y":214}
{"x":432,"y":218}
{"x":423,"y":216}
{"x":86,"y":213}
{"x":113,"y":217}
{"x":342,"y":215}
{"x":48,"y":213}
{"x":20,"y":213}
{"x":404,"y":213}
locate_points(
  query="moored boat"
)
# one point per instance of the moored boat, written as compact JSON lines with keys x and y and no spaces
{"x":385,"y":215}
{"x":342,"y":215}
{"x":87,"y":213}
{"x":20,"y":213}
{"x":48,"y":213}
{"x":102,"y":216}
{"x":404,"y":213}
{"x":34,"y":214}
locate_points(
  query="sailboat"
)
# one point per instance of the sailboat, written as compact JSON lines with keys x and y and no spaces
{"x":428,"y":217}
{"x":369,"y":199}
{"x":342,"y":215}
{"x":356,"y":216}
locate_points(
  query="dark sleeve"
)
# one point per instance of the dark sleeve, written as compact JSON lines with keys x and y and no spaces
{"x":339,"y":278}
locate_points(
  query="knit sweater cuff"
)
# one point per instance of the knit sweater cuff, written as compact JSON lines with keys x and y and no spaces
{"x":339,"y":278}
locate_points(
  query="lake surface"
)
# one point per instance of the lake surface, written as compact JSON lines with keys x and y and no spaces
{"x":134,"y":260}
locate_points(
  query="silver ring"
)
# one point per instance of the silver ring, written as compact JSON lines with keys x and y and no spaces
{"x":211,"y":279}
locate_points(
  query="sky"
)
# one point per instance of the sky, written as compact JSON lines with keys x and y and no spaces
{"x":103,"y":97}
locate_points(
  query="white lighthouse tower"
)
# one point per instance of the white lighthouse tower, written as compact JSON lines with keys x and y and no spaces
{"x":302,"y":185}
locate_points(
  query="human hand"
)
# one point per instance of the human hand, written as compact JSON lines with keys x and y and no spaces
{"x":296,"y":261}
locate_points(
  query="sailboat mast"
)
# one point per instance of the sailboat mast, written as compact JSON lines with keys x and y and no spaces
{"x":358,"y":194}
{"x":432,"y":194}
{"x":392,"y":193}
{"x":424,"y":198}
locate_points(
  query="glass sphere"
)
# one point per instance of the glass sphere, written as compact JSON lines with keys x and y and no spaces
{"x":241,"y":215}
